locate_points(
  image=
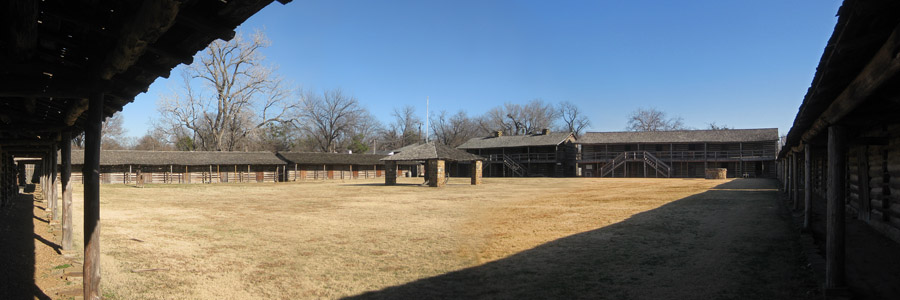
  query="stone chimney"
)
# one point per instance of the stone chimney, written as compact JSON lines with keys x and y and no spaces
{"x":498,"y":133}
{"x":545,"y":131}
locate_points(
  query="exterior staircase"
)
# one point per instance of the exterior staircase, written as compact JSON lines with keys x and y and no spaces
{"x":662,"y":169}
{"x":516,"y":167}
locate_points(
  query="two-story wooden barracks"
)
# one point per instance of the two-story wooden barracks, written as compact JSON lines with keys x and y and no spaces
{"x":550,"y":154}
{"x":680,"y":153}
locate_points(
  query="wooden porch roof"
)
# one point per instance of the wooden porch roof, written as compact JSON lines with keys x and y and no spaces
{"x":55,"y":54}
{"x":856,"y":82}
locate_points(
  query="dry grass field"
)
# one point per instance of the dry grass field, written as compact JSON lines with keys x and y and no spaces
{"x":508,"y":238}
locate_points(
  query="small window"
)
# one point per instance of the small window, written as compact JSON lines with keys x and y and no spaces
{"x":627,"y":147}
{"x":692,"y":147}
{"x":659,"y":147}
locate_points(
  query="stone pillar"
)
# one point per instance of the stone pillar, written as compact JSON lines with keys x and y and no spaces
{"x":390,"y":172}
{"x":476,"y":172}
{"x":435,"y":172}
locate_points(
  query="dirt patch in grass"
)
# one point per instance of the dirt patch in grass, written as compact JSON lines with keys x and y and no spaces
{"x":518,"y":237}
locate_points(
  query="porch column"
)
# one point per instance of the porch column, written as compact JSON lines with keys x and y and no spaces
{"x":795,"y":180}
{"x":65,"y":178}
{"x":91,"y":174}
{"x":834,"y":237}
{"x":54,"y":209}
{"x":435,"y":172}
{"x":807,"y":187}
{"x":476,"y":172}
{"x":390,"y":172}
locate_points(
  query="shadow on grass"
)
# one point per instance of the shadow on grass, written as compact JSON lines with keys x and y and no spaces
{"x":17,"y":248}
{"x":735,"y":242}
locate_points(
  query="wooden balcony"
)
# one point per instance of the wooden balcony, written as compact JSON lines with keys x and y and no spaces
{"x":523,"y":157}
{"x":687,"y":156}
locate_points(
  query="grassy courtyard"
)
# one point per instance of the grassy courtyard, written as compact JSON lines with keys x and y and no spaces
{"x":508,"y":238}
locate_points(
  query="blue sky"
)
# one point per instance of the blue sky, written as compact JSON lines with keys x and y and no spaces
{"x":745,"y":64}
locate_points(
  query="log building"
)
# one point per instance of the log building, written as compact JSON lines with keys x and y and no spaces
{"x":320,"y":166}
{"x":174,"y":167}
{"x":680,"y":153}
{"x":840,"y":164}
{"x":549,"y":154}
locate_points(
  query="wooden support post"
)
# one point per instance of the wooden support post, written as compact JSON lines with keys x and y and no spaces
{"x":834,"y":236}
{"x":91,"y":175}
{"x":295,"y":172}
{"x":390,"y":172}
{"x":66,"y":179}
{"x":795,"y":181}
{"x":865,"y":207}
{"x":784,"y":175}
{"x":807,"y":188}
{"x":54,"y":210}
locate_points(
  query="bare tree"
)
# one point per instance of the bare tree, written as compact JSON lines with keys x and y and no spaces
{"x":330,"y":117}
{"x":573,"y":120}
{"x":714,"y":126}
{"x":229,"y":94}
{"x":652,"y":119}
{"x":406,"y":129}
{"x":112,"y":135}
{"x":453,"y":130}
{"x":516,"y":119}
{"x":153,"y":141}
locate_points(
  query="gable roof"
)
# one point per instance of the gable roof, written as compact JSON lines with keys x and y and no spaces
{"x":331,"y":158}
{"x":432,"y":150}
{"x":181,"y":158}
{"x":681,"y":136}
{"x":550,"y":139}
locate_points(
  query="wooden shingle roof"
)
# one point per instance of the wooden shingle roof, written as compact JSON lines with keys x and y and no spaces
{"x":331,"y":158}
{"x":856,"y":76}
{"x":432,"y":150}
{"x":550,"y":139}
{"x":681,"y":136}
{"x":181,"y":158}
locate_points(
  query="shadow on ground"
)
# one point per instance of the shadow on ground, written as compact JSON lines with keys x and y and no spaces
{"x":17,"y":250}
{"x":732,"y":242}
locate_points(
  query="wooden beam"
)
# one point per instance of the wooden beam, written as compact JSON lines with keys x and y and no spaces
{"x":26,"y":142}
{"x":20,"y":30}
{"x":881,"y":68}
{"x":65,"y":178}
{"x":834,"y":235}
{"x":91,"y":175}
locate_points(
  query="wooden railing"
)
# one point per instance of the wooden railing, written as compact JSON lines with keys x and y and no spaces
{"x":686,"y":155}
{"x":522,"y":157}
